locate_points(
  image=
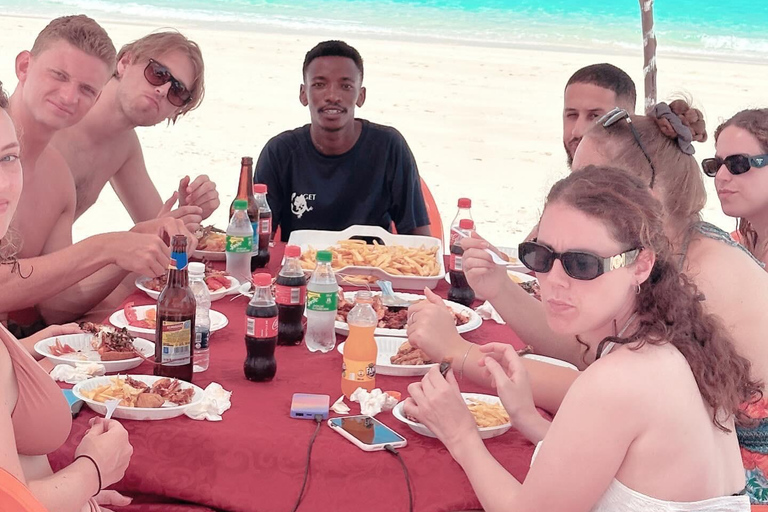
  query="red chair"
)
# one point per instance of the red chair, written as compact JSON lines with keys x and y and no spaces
{"x":759,"y":508}
{"x":15,"y":496}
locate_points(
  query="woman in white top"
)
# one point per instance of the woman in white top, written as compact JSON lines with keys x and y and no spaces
{"x":650,"y":424}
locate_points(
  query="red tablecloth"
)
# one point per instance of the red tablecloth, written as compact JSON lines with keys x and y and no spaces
{"x":254,"y":459}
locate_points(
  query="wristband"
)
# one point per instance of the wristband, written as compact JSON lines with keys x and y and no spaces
{"x":98,"y":471}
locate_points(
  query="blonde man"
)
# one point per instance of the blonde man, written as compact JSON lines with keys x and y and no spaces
{"x":158,"y":77}
{"x":60,"y":79}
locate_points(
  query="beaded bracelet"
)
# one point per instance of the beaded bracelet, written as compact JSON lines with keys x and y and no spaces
{"x":464,"y":360}
{"x":98,"y":471}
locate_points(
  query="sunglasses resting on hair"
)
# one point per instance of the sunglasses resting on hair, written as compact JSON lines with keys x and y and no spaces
{"x":616,"y":115}
{"x":577,"y":264}
{"x":736,"y":164}
{"x":157,"y":75}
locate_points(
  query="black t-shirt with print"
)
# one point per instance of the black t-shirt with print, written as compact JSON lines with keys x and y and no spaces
{"x":374,"y":183}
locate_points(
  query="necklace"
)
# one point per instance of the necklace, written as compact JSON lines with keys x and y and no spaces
{"x":609,"y":346}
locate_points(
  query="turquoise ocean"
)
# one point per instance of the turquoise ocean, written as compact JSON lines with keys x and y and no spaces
{"x":715,"y":28}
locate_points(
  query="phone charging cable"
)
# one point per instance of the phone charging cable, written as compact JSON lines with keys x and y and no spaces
{"x":394,"y":452}
{"x":318,"y":420}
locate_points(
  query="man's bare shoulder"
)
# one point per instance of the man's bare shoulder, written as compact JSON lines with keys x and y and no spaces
{"x":55,"y":167}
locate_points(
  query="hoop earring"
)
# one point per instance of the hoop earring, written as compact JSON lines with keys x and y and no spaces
{"x":637,"y":292}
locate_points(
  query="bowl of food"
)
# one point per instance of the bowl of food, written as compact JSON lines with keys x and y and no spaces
{"x":142,"y":397}
{"x":116,"y":349}
{"x":142,"y":320}
{"x":398,"y":358}
{"x":219,"y":284}
{"x":491,"y":418}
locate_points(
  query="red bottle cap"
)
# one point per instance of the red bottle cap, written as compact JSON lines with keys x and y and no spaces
{"x":466,"y":224}
{"x":292,"y":251}
{"x":259,"y":188}
{"x":465,"y":202}
{"x":262,"y":279}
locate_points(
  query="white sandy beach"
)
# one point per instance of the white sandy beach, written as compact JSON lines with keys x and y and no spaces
{"x":482,"y":122}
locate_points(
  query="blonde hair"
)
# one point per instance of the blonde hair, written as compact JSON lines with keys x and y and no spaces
{"x":81,"y":32}
{"x":678,"y":177}
{"x":168,"y":41}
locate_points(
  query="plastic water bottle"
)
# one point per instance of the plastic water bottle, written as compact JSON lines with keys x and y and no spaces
{"x":322,"y":301}
{"x":202,"y":316}
{"x":239,"y":243}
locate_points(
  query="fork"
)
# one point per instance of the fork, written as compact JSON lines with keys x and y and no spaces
{"x":388,"y":297}
{"x":111,"y":406}
{"x":495,"y":257}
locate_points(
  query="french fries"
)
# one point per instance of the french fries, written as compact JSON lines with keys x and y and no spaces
{"x":392,"y":259}
{"x":117,"y":389}
{"x":487,"y":415}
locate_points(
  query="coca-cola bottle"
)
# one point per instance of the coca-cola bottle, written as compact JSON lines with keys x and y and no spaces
{"x":261,"y":331}
{"x":463,"y":212}
{"x":460,"y":290}
{"x":290,"y":295}
{"x":262,"y":230}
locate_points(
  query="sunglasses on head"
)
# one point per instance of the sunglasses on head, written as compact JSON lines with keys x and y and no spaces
{"x":616,"y":115}
{"x":736,"y":164}
{"x":157,"y":75}
{"x":578,"y":265}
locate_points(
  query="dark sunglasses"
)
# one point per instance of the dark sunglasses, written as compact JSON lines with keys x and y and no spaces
{"x":616,"y":115}
{"x":157,"y":75}
{"x":736,"y":164}
{"x":578,"y":265}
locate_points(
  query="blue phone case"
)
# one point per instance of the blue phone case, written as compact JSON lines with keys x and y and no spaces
{"x":306,"y":406}
{"x":75,"y":404}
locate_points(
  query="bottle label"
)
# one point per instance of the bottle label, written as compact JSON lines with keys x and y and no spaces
{"x":265,"y":226}
{"x":455,"y":263}
{"x":239,"y":244}
{"x":256,"y":327}
{"x":320,"y":301}
{"x":201,"y":339}
{"x":358,"y":371}
{"x":290,"y":295}
{"x":179,"y":260}
{"x":176,"y":341}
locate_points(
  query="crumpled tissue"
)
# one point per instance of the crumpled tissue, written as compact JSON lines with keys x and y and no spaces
{"x":78,"y":373}
{"x":374,"y":402}
{"x":215,"y":401}
{"x":487,"y":312}
{"x":339,"y":407}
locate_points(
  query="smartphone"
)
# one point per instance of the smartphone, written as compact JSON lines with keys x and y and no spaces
{"x":366,"y":432}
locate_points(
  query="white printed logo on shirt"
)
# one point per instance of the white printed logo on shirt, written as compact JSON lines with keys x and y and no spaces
{"x":300,"y":205}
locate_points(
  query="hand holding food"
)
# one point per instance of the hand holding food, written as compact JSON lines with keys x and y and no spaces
{"x":143,"y":253}
{"x":393,"y":259}
{"x":510,"y":379}
{"x":106,"y":442}
{"x":432,"y":327}
{"x":201,"y":193}
{"x":190,"y":215}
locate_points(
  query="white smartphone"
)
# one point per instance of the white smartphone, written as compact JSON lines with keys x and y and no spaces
{"x":366,"y":432}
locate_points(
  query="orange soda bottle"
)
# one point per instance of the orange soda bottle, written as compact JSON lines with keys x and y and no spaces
{"x":360,"y":350}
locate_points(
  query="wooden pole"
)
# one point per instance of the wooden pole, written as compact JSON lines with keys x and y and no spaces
{"x":649,"y":54}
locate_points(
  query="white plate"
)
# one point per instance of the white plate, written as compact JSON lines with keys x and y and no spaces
{"x":135,"y":413}
{"x":82,"y":342}
{"x":234,"y":285}
{"x":388,"y":348}
{"x":550,"y":360}
{"x":485,"y":432}
{"x":474,"y":319}
{"x":218,"y":321}
{"x":213,"y":255}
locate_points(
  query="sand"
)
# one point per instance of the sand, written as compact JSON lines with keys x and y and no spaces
{"x":482,"y":122}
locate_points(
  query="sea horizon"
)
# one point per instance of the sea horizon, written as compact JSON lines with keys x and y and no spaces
{"x":703,"y":29}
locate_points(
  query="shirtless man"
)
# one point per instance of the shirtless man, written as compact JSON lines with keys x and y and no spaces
{"x":59,"y":81}
{"x":158,"y":77}
{"x":590,"y":93}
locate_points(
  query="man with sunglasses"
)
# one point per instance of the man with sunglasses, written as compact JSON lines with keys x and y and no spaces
{"x":44,"y":276}
{"x":158,"y":77}
{"x":590,"y":93}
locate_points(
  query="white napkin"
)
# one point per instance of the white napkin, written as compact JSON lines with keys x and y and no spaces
{"x":78,"y":373}
{"x":487,"y":312}
{"x":215,"y":401}
{"x":374,"y":402}
{"x":339,"y":407}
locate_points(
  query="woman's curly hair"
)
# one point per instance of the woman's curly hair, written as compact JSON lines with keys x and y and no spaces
{"x":669,"y":307}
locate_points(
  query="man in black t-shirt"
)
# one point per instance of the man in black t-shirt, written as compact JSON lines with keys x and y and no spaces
{"x":339,"y":170}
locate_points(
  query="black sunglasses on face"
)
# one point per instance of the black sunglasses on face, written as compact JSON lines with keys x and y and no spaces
{"x":578,"y":265}
{"x":616,"y":115}
{"x":736,"y":164}
{"x":157,"y":75}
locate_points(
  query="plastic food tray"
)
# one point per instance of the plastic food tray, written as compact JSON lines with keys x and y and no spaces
{"x":321,"y":240}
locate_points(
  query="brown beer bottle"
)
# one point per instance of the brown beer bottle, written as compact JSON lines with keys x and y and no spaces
{"x":175,"y":331}
{"x":245,"y":191}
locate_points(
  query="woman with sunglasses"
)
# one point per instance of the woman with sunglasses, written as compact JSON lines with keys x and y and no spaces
{"x":621,"y":441}
{"x":34,"y":415}
{"x":740,"y":169}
